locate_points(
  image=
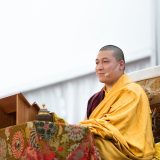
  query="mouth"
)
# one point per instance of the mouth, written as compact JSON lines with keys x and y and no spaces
{"x":100,"y":73}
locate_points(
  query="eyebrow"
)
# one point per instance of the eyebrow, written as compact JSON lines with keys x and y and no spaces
{"x":102,"y":58}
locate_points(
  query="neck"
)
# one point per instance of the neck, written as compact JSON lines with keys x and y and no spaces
{"x":110,"y":85}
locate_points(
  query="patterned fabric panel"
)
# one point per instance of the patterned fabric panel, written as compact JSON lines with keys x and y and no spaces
{"x":157,"y":154}
{"x":40,"y":140}
{"x":152,"y":88}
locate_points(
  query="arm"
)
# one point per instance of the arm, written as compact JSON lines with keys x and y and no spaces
{"x":112,"y":125}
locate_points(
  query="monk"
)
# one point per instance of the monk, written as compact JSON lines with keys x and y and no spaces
{"x":119,"y":116}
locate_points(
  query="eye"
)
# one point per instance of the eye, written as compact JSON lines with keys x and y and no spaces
{"x":105,"y":61}
{"x":97,"y":62}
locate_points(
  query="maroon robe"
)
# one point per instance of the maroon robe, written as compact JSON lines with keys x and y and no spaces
{"x":94,"y":101}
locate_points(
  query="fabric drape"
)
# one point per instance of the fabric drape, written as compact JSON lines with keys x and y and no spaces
{"x":121,"y":123}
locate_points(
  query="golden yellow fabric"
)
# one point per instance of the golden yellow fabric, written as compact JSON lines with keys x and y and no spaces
{"x":121,"y":123}
{"x":57,"y":119}
{"x":157,"y":154}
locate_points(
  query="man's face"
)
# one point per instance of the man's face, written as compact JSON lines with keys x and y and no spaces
{"x":108,"y":69}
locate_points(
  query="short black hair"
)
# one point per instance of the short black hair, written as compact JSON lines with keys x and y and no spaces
{"x":118,"y":53}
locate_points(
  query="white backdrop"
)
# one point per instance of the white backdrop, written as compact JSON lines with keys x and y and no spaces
{"x":46,"y":41}
{"x":69,"y":98}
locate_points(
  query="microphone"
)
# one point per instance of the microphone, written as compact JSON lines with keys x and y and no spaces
{"x":106,"y":74}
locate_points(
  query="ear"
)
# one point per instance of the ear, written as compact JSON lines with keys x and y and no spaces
{"x":122,"y":64}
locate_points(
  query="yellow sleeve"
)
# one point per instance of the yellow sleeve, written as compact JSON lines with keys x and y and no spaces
{"x":122,"y":114}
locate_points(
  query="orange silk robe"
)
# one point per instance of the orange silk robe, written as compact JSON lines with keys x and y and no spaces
{"x":121,"y":123}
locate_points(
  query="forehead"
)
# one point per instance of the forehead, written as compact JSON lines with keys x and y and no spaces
{"x":108,"y":54}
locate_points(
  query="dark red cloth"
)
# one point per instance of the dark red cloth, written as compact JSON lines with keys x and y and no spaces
{"x":94,"y":101}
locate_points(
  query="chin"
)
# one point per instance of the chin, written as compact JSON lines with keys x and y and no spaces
{"x":102,"y":80}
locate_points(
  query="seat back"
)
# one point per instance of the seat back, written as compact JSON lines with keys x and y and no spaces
{"x":149,"y":79}
{"x":152,"y":88}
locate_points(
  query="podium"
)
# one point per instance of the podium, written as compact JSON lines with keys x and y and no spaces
{"x":15,"y":110}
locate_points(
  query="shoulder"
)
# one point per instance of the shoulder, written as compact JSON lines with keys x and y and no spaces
{"x":94,"y":95}
{"x":135,"y":89}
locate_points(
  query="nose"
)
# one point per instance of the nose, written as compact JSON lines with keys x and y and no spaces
{"x":99,"y":66}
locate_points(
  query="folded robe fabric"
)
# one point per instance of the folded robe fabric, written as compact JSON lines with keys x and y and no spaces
{"x":121,"y":123}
